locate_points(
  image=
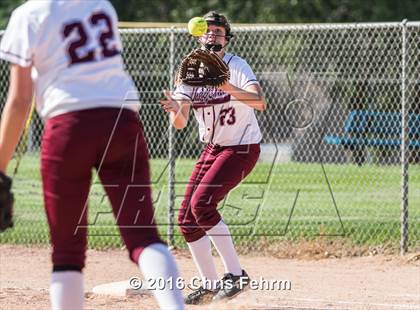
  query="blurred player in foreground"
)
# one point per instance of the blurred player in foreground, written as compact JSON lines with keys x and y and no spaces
{"x":73,"y":50}
{"x":228,"y":126}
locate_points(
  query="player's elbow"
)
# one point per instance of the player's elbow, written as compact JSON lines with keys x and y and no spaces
{"x":179,"y":120}
{"x":19,"y":100}
{"x":179,"y":123}
{"x":178,"y":126}
{"x":19,"y":105}
{"x":261,"y":106}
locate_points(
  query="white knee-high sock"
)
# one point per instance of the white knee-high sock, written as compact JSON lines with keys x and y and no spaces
{"x":66,"y":290}
{"x":201,"y":253}
{"x":157,"y":262}
{"x":222,"y":240}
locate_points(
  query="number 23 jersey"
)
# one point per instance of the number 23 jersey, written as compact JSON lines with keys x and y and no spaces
{"x":74,"y":49}
{"x":222,"y":119}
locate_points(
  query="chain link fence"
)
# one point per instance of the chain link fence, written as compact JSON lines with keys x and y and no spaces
{"x":341,"y":139}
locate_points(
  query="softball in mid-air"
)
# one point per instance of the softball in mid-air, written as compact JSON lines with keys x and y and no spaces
{"x":197,"y":26}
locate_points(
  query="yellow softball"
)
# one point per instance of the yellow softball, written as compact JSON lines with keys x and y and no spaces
{"x":197,"y":26}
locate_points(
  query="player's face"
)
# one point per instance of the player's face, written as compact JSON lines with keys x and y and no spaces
{"x":215,"y":35}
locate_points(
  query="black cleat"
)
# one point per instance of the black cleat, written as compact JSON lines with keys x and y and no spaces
{"x":232,"y":285}
{"x":200,"y":297}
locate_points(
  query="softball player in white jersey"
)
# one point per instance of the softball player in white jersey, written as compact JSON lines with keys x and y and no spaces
{"x":228,"y":126}
{"x":73,"y":50}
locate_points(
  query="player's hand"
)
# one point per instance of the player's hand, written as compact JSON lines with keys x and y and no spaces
{"x":169,"y":104}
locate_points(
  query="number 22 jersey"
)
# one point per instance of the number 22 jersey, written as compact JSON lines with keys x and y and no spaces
{"x":74,"y":49}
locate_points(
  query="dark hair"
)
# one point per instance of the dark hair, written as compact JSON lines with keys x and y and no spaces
{"x":217,"y":19}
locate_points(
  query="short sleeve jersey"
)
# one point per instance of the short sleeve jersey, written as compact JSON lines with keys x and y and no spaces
{"x":222,"y":119}
{"x":74,"y":49}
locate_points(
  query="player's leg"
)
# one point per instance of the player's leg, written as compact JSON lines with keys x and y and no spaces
{"x":231,"y":166}
{"x":124,"y":171}
{"x":197,"y":240}
{"x":66,"y":163}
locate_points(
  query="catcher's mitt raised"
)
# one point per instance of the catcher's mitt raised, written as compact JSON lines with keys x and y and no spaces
{"x":202,"y":67}
{"x":6,"y":202}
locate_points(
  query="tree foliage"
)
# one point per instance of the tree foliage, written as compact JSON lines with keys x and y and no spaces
{"x":251,"y":11}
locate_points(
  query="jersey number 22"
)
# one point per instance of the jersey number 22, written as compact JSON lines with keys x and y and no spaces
{"x":75,"y":48}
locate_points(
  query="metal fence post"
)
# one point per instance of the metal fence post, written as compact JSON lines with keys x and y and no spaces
{"x":171,"y":153}
{"x":404,"y":146}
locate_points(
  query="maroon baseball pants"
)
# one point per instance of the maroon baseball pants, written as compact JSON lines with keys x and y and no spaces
{"x":110,"y":141}
{"x":218,"y":170}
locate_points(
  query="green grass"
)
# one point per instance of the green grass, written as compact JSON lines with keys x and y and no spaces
{"x":367,"y":200}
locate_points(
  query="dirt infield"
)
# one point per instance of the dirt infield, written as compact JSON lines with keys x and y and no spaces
{"x":375,"y":282}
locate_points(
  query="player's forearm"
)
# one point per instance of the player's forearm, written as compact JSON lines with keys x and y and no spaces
{"x":253,"y":100}
{"x":12,"y":123}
